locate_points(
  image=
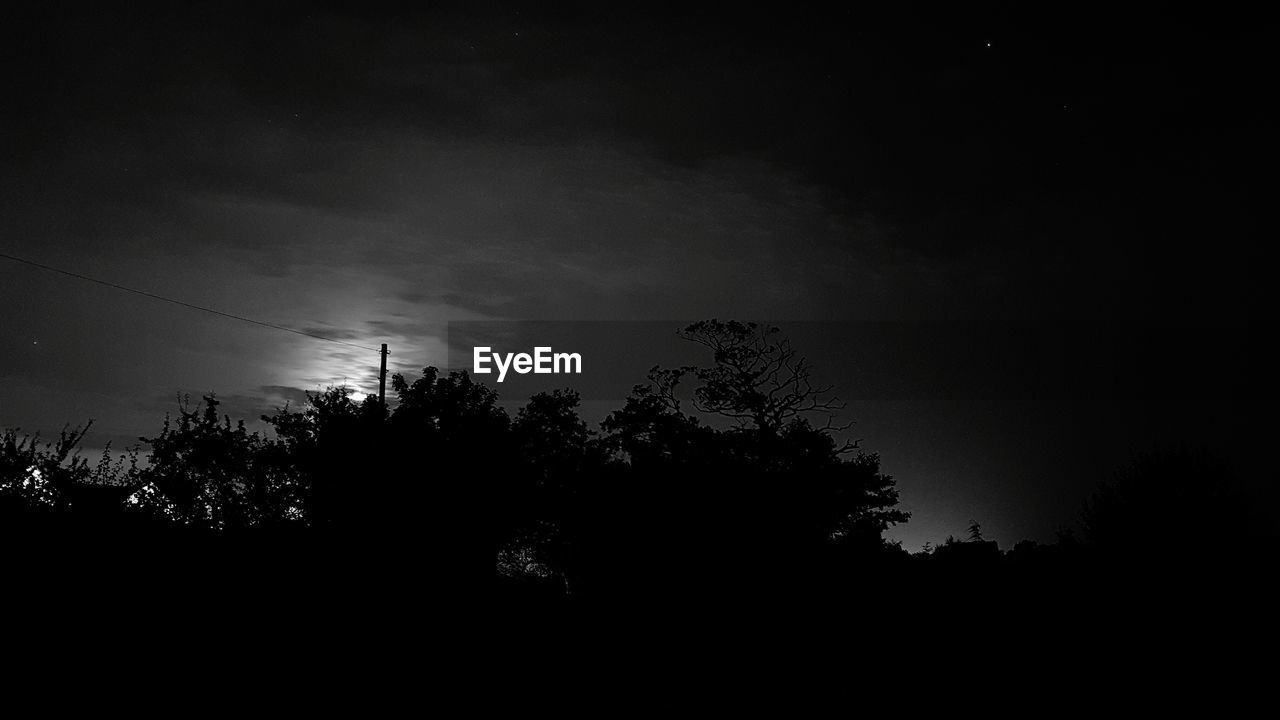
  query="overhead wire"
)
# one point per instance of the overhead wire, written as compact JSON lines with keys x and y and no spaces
{"x":182,"y":303}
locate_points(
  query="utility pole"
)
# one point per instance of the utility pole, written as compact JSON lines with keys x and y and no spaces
{"x":382,"y":379}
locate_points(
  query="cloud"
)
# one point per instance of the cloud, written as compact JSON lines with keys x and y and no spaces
{"x":296,"y":396}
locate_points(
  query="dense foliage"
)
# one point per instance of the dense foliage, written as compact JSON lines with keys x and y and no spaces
{"x":726,"y":477}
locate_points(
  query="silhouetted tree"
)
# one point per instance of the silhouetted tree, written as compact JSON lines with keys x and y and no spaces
{"x":35,"y":476}
{"x":759,"y":380}
{"x":450,"y":462}
{"x":554,"y":449}
{"x":327,"y":444}
{"x":773,"y":496}
{"x":550,"y":436}
{"x":756,"y":378}
{"x":207,"y":473}
{"x":651,"y":432}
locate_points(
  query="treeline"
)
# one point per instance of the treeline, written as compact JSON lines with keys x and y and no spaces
{"x":445,"y":488}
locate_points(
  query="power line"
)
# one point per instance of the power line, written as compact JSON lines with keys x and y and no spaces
{"x":183,"y":304}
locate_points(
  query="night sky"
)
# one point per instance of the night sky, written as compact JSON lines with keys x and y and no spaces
{"x":1037,"y":228}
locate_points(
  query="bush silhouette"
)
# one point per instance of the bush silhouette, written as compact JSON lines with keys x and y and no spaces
{"x":730,"y":481}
